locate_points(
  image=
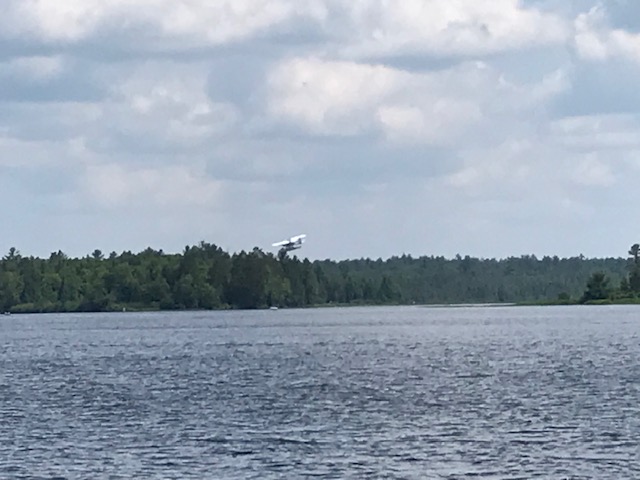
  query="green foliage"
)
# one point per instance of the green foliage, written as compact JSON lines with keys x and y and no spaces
{"x":247,"y":287}
{"x":206,"y":277}
{"x":597,"y":288}
{"x":634,"y":268}
{"x":599,"y":291}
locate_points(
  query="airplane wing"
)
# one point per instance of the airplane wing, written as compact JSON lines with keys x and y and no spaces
{"x":298,"y":239}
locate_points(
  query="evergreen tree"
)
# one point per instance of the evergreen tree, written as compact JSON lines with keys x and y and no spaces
{"x":597,"y":288}
{"x":634,"y":268}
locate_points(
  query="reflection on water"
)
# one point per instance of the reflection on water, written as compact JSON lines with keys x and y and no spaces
{"x":442,"y":393}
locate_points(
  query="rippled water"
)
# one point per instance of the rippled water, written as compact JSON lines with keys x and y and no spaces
{"x":435,"y":393}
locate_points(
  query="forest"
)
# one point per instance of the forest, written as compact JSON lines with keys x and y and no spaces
{"x":206,"y":277}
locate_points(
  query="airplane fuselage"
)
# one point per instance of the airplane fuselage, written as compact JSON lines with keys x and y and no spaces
{"x":291,"y":244}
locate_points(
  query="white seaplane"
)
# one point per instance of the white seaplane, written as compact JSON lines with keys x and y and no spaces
{"x":292,"y":243}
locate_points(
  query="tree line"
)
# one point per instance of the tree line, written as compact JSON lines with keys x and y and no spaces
{"x":601,"y":288}
{"x":206,"y":277}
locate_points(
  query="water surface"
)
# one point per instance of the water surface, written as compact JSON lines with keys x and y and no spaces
{"x":412,"y":393}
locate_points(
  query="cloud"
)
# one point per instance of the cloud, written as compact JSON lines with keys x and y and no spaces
{"x":509,"y":163}
{"x":36,"y":68}
{"x":365,"y":28}
{"x":449,"y":27}
{"x":424,"y":126}
{"x":170,"y":23}
{"x":152,"y":107}
{"x":47,"y":78}
{"x":590,"y":133}
{"x":340,"y":98}
{"x":169,"y":103}
{"x":113,"y":185}
{"x":590,"y":171}
{"x":596,"y":40}
{"x":25,"y":154}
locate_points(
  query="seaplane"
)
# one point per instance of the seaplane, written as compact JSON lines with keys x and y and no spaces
{"x":292,"y":243}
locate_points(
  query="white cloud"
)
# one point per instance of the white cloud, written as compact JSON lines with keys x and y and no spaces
{"x":346,"y":98}
{"x":368,"y":27}
{"x":597,"y":132}
{"x":596,"y":40}
{"x":330,"y":97}
{"x":152,"y":106}
{"x":167,"y":102}
{"x":171,"y":187}
{"x":449,"y":27}
{"x":592,"y":172}
{"x":194,"y":22}
{"x":508,"y":167}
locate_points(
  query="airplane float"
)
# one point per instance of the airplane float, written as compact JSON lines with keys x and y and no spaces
{"x":292,"y":243}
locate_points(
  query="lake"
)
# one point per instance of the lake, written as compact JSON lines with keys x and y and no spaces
{"x":353,"y":393}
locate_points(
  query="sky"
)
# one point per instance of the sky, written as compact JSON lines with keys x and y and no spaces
{"x":489,"y":128}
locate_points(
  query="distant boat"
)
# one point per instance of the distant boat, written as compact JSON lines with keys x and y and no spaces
{"x":273,"y":308}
